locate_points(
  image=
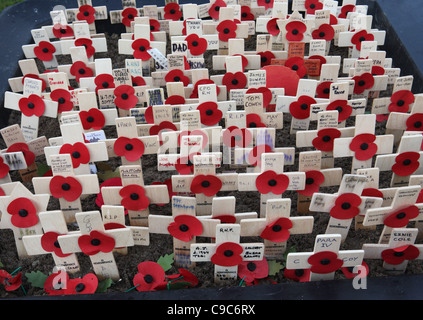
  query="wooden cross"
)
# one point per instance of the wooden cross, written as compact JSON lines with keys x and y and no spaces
{"x":81,"y":67}
{"x":325,"y":259}
{"x":10,"y":161}
{"x":53,"y":224}
{"x":365,"y":80}
{"x":344,"y":205}
{"x":20,"y":211}
{"x":28,"y":68}
{"x":97,"y":243}
{"x":227,"y":253}
{"x":86,"y":12}
{"x":276,"y":227}
{"x":184,"y":226}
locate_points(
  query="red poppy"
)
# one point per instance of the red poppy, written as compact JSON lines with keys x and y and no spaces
{"x":86,"y":13}
{"x":172,"y":11}
{"x":325,"y":32}
{"x":78,"y":151}
{"x":65,"y":187}
{"x":209,"y":113}
{"x":154,"y":25}
{"x":325,"y":138}
{"x":364,"y":147}
{"x":57,"y":283}
{"x":295,"y":30}
{"x":184,"y":165}
{"x":265,"y":3}
{"x":314,"y":179}
{"x":236,"y":80}
{"x":128,"y":15}
{"x":267,"y":94}
{"x":196,"y":45}
{"x":140,"y":47}
{"x":50,"y":244}
{"x":346,"y":206}
{"x":296,"y":64}
{"x":80,"y":70}
{"x":254,"y":157}
{"x":299,"y":275}
{"x":234,"y":136}
{"x":401,"y":217}
{"x":406,"y":163}
{"x":88,"y":44}
{"x":254,"y":121}
{"x":87,"y":285}
{"x":324,"y":262}
{"x":63,"y":99}
{"x":10,"y":282}
{"x":401,"y":100}
{"x":361,"y":36}
{"x":277,"y":231}
{"x":164,"y":125}
{"x":345,"y":10}
{"x":208,"y":185}
{"x":92,"y":119}
{"x":185,"y":227}
{"x":250,"y":271}
{"x":246,"y":14}
{"x":104,"y":81}
{"x":175,"y":100}
{"x":313,"y":5}
{"x":23,"y":212}
{"x":44,"y":51}
{"x":194,"y":93}
{"x":37,"y":77}
{"x":185,"y":276}
{"x":62,"y":31}
{"x":150,"y":276}
{"x":378,"y":71}
{"x":343,"y":108}
{"x":226,"y":30}
{"x":272,"y":27}
{"x":138,"y":81}
{"x":333,"y":20}
{"x":228,"y":254}
{"x":270,"y":181}
{"x":300,"y":109}
{"x":414,"y":122}
{"x":323,"y":89}
{"x":4,"y":170}
{"x":398,"y":255}
{"x":349,"y":271}
{"x":130,"y":148}
{"x":133,"y":197}
{"x":266,"y":58}
{"x":177,"y":75}
{"x":23,"y":147}
{"x":372,"y":192}
{"x":96,"y":242}
{"x":321,"y":59}
{"x":225,"y":218}
{"x":125,"y":97}
{"x":32,"y":105}
{"x":215,"y":8}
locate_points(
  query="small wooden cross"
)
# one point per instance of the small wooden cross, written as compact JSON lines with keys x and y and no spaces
{"x":227,"y":253}
{"x":399,"y":122}
{"x":81,"y":66}
{"x":86,"y":12}
{"x":325,"y":259}
{"x":28,"y":68}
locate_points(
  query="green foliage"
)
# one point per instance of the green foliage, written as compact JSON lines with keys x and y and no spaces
{"x":166,"y":261}
{"x":36,"y":278}
{"x":274,"y":267}
{"x":104,"y":285}
{"x":42,"y":168}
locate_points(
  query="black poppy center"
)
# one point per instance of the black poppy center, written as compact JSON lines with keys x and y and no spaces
{"x":251,"y":266}
{"x":244,"y":14}
{"x":295,"y":67}
{"x":105,"y":84}
{"x":309,"y":181}
{"x":364,"y":146}
{"x":148,"y":278}
{"x":276,"y":228}
{"x":406,"y":162}
{"x":324,"y":262}
{"x":326,"y":90}
{"x":45,"y":50}
{"x":339,"y":109}
{"x":209,"y":112}
{"x":66,"y":186}
{"x":189,"y":163}
{"x":361,"y":83}
{"x":195,"y":43}
{"x":263,"y":59}
{"x":299,"y":272}
{"x":61,"y":100}
{"x":176,"y":79}
{"x":217,"y":8}
{"x":312,"y":6}
{"x":252,"y":125}
{"x":362,"y":39}
{"x":95,"y":242}
{"x":129,"y":147}
{"x":62,"y":31}
{"x":124,"y":96}
{"x":23,"y":213}
{"x":272,"y":182}
{"x":31,"y":105}
{"x":326,"y":138}
{"x":172,"y":11}
{"x":90,"y":119}
{"x":151,"y":28}
{"x":56,"y":244}
{"x":346,"y":205}
{"x":322,"y":34}
{"x":401,"y":215}
{"x":304,"y":106}
{"x":205,"y":184}
{"x":81,"y":71}
{"x":417,"y":124}
{"x":134,"y":196}
{"x":130,"y":16}
{"x":183,"y":228}
{"x":226,"y":30}
{"x":228,"y":253}
{"x":142,"y":48}
{"x":76,"y":154}
{"x":234,"y":82}
{"x":80,"y":287}
{"x":267,"y":1}
{"x":295,"y":32}
{"x":398,"y":254}
{"x":86,"y":13}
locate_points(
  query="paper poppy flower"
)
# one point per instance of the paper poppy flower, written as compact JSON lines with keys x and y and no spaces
{"x":37,"y":77}
{"x":92,"y":119}
{"x":185,"y":276}
{"x":401,"y":100}
{"x":277,"y":231}
{"x":164,"y":125}
{"x":63,"y":99}
{"x":194,"y":93}
{"x":225,"y":218}
{"x":346,"y":206}
{"x":265,"y":3}
{"x":372,"y":192}
{"x":184,"y":165}
{"x":267,"y":94}
{"x":406,"y":163}
{"x":313,"y":5}
{"x":323,"y":89}
{"x":325,"y":32}
{"x":138,"y":81}
{"x":246,"y":14}
{"x":209,"y":113}
{"x":140,"y":47}
{"x":130,"y":148}
{"x":185,"y":227}
{"x":125,"y":97}
{"x":57,"y":284}
{"x":50,"y":244}
{"x":299,"y":275}
{"x":112,"y":182}
{"x":321,"y":59}
{"x":172,"y":11}
{"x":128,"y":15}
{"x":32,"y":105}
{"x":215,"y":8}
{"x":236,"y":137}
{"x":300,"y":109}
{"x":253,"y":270}
{"x":177,"y":75}
{"x":345,"y":10}
{"x":362,"y":271}
{"x":150,"y":276}
{"x":23,"y":212}
{"x":104,"y":81}
{"x":67,"y":188}
{"x":78,"y":151}
{"x":208,"y":185}
{"x":226,"y":30}
{"x":401,"y":217}
{"x":44,"y":51}
{"x":175,"y":100}
{"x":85,"y":285}
{"x":86,"y":13}
{"x":364,"y":147}
{"x":415,"y":122}
{"x":270,"y":181}
{"x":295,"y":30}
{"x":343,"y":108}
{"x":228,"y":254}
{"x":62,"y":31}
{"x":361,"y":36}
{"x":10,"y":282}
{"x":272,"y":27}
{"x":296,"y":64}
{"x":236,"y":80}
{"x":23,"y":147}
{"x":87,"y":44}
{"x":80,"y":70}
{"x":96,"y":242}
{"x":254,"y":157}
{"x":324,"y":262}
{"x":266,"y":58}
{"x":154,"y":25}
{"x":254,"y":121}
{"x":398,"y":255}
{"x":325,"y":138}
{"x":378,"y":71}
{"x":133,"y":197}
{"x":4,"y":170}
{"x":314,"y":179}
{"x":196,"y":45}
